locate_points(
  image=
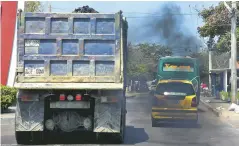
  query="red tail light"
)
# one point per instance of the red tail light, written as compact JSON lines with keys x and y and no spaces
{"x":62,"y":97}
{"x":25,"y":98}
{"x":78,"y":97}
{"x":114,"y":99}
{"x":194,"y":102}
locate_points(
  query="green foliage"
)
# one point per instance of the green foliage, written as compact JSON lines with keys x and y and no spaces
{"x":143,"y":59}
{"x":218,"y":23}
{"x":8,"y":96}
{"x":224,"y":95}
{"x":224,"y":42}
{"x":203,"y":63}
{"x":33,"y":6}
{"x":229,"y":94}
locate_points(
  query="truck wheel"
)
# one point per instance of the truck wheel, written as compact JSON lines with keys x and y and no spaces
{"x":22,"y":137}
{"x":25,"y":137}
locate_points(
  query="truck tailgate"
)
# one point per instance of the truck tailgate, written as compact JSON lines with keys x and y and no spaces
{"x":70,"y":48}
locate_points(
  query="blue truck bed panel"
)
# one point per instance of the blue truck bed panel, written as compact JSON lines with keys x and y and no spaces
{"x":70,"y":48}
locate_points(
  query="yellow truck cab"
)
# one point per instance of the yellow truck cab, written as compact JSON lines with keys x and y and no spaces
{"x":174,"y":101}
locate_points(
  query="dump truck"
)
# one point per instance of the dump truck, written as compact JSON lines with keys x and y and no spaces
{"x":70,"y":76}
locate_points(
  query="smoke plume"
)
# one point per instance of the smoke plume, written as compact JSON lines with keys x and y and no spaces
{"x":168,"y":28}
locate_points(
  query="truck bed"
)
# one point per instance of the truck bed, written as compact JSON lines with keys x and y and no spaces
{"x":75,"y":51}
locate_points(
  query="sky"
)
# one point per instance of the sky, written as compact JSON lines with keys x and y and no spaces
{"x":139,"y":14}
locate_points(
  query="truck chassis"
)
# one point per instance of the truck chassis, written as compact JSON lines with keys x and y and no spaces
{"x":40,"y":116}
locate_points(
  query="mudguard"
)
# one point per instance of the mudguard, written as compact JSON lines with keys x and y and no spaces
{"x":29,"y":114}
{"x":107,"y":116}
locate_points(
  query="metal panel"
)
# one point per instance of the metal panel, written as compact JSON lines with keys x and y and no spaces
{"x":70,"y":47}
{"x":30,"y":114}
{"x":35,"y":47}
{"x":66,"y":43}
{"x":59,"y":25}
{"x":34,"y":68}
{"x":99,"y":47}
{"x":70,"y":105}
{"x":58,"y":67}
{"x":82,"y":26}
{"x":105,"y":26}
{"x":97,"y":86}
{"x":107,"y":117}
{"x":104,"y":68}
{"x":35,"y":25}
{"x":81,"y":68}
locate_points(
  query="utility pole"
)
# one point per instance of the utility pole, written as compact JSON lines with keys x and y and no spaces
{"x":210,"y":42}
{"x":233,"y":51}
{"x":210,"y":68}
{"x":49,"y":7}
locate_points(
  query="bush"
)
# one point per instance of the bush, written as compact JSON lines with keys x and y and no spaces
{"x":8,"y":96}
{"x":224,"y":95}
{"x":231,"y":97}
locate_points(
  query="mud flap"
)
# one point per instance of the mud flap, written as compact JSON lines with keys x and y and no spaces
{"x":29,"y":115}
{"x":107,"y":117}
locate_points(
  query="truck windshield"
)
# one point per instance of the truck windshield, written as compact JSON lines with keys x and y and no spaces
{"x":176,"y":88}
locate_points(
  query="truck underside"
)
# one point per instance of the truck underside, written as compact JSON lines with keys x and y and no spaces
{"x":41,"y":115}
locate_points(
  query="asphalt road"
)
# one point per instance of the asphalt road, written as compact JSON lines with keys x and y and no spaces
{"x":209,"y":132}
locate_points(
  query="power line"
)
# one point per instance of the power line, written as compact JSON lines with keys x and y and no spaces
{"x":152,"y":15}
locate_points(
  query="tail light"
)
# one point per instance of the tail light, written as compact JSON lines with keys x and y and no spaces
{"x":78,"y":97}
{"x":24,"y":98}
{"x":62,"y":97}
{"x":109,"y":99}
{"x":194,"y":102}
{"x":114,"y":99}
{"x":29,"y":97}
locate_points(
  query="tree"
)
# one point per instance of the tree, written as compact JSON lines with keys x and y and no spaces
{"x":143,"y":59}
{"x":218,"y":23}
{"x":203,"y":64}
{"x":33,"y":6}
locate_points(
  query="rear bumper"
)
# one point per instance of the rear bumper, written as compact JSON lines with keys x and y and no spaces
{"x":163,"y":114}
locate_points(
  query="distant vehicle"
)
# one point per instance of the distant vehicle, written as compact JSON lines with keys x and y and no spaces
{"x":152,"y":86}
{"x":174,"y":101}
{"x":183,"y":68}
{"x":71,"y":77}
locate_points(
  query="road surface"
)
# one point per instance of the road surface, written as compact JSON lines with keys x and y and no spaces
{"x":209,"y":132}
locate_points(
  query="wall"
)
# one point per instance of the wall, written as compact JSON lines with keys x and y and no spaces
{"x":8,"y":27}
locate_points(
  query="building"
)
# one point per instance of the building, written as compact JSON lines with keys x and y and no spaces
{"x":8,"y":17}
{"x":221,"y":79}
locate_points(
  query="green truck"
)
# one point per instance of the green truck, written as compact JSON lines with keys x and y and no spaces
{"x":180,"y":68}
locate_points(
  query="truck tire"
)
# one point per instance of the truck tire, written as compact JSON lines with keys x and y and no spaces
{"x":22,"y":137}
{"x":27,"y":137}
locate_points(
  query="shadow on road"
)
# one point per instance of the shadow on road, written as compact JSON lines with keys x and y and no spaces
{"x":135,"y":135}
{"x":132,"y":136}
{"x":179,"y":125}
{"x":200,"y":110}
